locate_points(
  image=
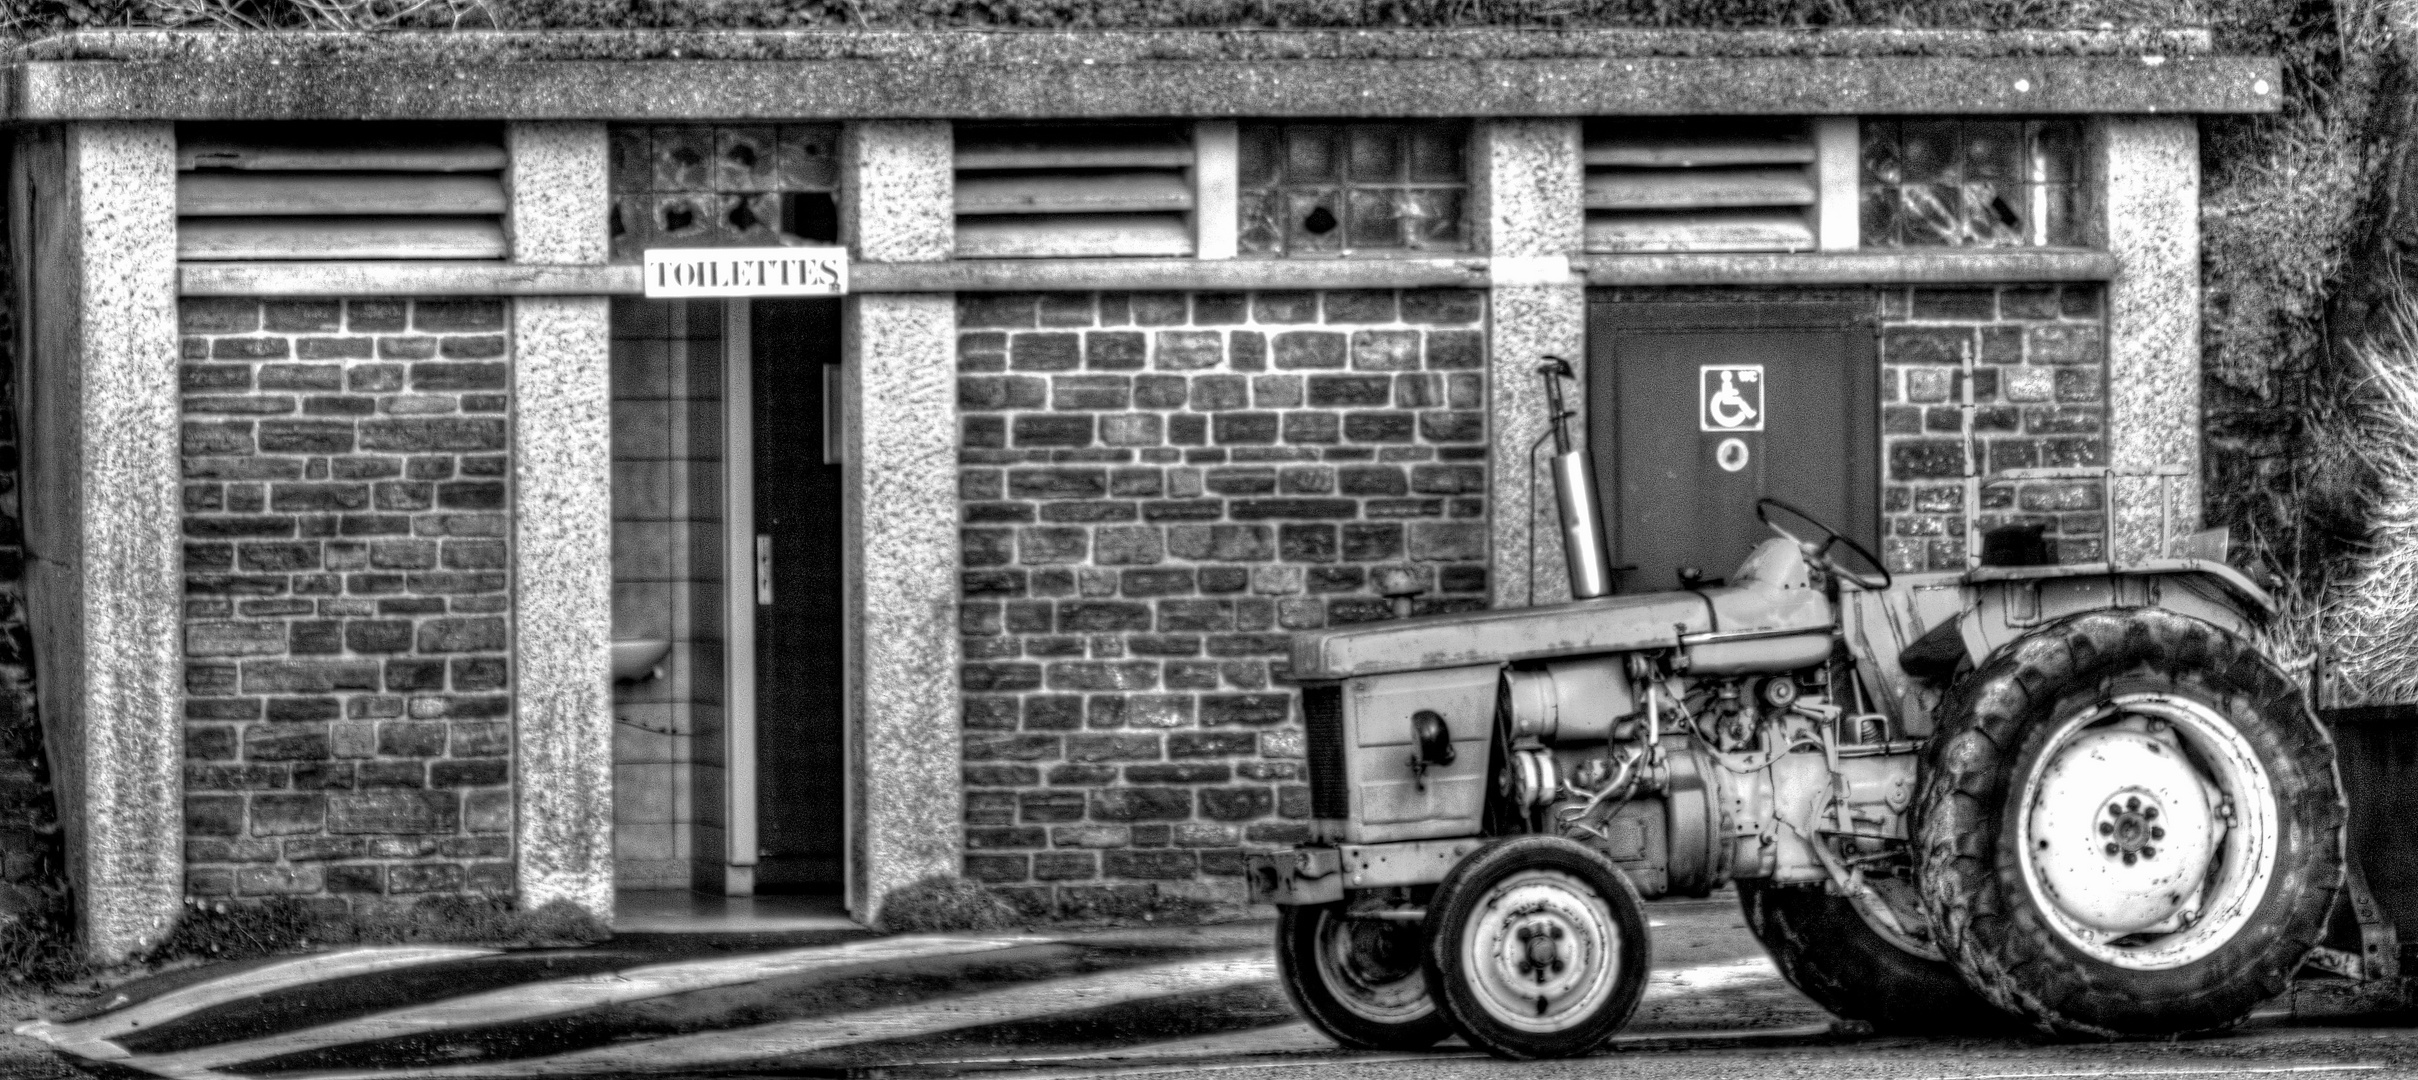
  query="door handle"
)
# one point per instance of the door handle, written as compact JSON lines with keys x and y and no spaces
{"x":763,"y":569}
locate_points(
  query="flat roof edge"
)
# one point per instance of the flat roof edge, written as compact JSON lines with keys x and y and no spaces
{"x":896,"y":88}
{"x":1099,"y":45}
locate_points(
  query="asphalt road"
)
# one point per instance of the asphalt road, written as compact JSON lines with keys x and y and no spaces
{"x":1036,"y":1006}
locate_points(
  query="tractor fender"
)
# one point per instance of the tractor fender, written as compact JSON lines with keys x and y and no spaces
{"x":2007,"y":602}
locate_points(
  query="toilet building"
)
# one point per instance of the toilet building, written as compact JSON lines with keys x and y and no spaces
{"x":386,"y":538}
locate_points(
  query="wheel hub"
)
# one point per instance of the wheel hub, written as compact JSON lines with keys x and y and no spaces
{"x":2122,"y":832}
{"x":1544,"y":952}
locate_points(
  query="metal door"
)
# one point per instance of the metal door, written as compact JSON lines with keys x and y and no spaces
{"x":1695,"y":410}
{"x":800,"y":614}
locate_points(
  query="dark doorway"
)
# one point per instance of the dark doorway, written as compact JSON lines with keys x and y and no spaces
{"x":1695,"y":410}
{"x":801,"y":687}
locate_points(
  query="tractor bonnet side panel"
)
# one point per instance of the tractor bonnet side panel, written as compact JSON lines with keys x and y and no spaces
{"x":1389,"y":797}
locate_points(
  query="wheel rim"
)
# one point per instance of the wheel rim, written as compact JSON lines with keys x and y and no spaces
{"x":2148,"y":832}
{"x":1542,"y":952}
{"x":1373,"y":968}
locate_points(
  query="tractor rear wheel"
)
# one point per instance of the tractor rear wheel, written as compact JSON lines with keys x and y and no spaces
{"x":1830,"y":954}
{"x":1357,"y":980}
{"x":2130,"y":827}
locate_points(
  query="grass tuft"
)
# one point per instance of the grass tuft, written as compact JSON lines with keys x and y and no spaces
{"x":942,"y":903}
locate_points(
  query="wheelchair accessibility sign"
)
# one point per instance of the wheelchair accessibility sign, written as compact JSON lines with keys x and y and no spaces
{"x":1729,"y":397}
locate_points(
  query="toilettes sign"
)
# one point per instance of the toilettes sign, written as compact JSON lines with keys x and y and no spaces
{"x":775,"y":271}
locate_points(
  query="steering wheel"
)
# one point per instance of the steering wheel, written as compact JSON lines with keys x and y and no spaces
{"x":1875,"y":581}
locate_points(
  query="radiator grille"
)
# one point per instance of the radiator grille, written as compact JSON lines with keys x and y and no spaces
{"x":1322,"y":718}
{"x":1700,"y":185}
{"x":340,"y":191}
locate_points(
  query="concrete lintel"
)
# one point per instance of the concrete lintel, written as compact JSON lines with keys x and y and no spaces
{"x":100,"y":407}
{"x":1940,"y":267}
{"x":390,"y":86}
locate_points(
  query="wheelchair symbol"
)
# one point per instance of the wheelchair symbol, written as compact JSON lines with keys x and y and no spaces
{"x":1731,"y":397}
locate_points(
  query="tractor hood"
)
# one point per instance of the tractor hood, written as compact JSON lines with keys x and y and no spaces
{"x":1771,"y":591}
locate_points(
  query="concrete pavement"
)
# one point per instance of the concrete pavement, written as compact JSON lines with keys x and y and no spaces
{"x":1145,"y":1001}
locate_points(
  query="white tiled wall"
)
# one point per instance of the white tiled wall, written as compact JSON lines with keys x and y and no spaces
{"x":667,"y":583}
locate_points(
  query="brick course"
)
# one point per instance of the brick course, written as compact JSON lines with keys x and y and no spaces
{"x":1158,"y":489}
{"x":347,"y":616}
{"x":2039,"y":392}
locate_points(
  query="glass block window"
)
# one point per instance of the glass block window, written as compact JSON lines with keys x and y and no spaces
{"x":1973,"y":183}
{"x":1353,"y":188}
{"x":711,"y":185}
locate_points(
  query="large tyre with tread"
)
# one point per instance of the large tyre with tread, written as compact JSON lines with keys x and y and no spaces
{"x":2131,"y":826}
{"x":1358,"y":981}
{"x":1830,"y":954}
{"x":1537,"y":948}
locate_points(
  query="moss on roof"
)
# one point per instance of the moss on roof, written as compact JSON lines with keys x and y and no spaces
{"x":35,"y":17}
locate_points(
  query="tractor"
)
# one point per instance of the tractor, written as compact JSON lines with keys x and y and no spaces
{"x":2079,"y":797}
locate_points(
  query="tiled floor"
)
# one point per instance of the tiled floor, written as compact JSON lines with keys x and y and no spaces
{"x":680,"y":911}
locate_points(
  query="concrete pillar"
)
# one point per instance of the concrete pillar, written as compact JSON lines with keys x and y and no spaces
{"x":562,"y":541}
{"x":1529,"y":185}
{"x":99,"y":401}
{"x":2152,"y":169}
{"x":899,"y":486}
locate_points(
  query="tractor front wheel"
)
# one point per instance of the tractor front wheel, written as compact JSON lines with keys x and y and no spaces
{"x":1537,"y":948}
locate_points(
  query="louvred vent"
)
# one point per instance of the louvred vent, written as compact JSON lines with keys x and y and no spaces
{"x":339,"y":191}
{"x":1094,"y":190}
{"x":1707,"y":184}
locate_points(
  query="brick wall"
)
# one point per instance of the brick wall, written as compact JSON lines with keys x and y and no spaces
{"x":2040,"y":392}
{"x":348,"y":725}
{"x":1157,"y":489}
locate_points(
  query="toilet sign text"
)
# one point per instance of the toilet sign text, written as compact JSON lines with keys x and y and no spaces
{"x":1729,"y":397}
{"x":779,"y":271}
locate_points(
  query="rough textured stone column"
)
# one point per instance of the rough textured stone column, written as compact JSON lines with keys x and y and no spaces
{"x":100,"y":476}
{"x":1530,"y":189}
{"x":899,"y":489}
{"x":2152,"y":166}
{"x":563,"y":525}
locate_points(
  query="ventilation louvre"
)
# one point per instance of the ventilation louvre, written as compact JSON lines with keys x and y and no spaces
{"x":255,"y":192}
{"x":1098,"y":190}
{"x":1701,"y":185}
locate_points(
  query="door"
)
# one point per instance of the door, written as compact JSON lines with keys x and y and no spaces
{"x":1695,"y":410}
{"x":800,"y":629}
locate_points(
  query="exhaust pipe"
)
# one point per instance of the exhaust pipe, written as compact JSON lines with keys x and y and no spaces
{"x":1582,"y":531}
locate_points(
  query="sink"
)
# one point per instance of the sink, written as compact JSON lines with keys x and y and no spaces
{"x":639,"y":659}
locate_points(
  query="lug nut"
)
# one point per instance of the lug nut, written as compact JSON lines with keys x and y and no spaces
{"x":2130,"y":858}
{"x":2114,"y":808}
{"x":2107,"y":828}
{"x":2111,"y":850}
{"x":2151,"y":813}
{"x":2149,"y":853}
{"x":2156,"y":833}
{"x":2132,"y":802}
